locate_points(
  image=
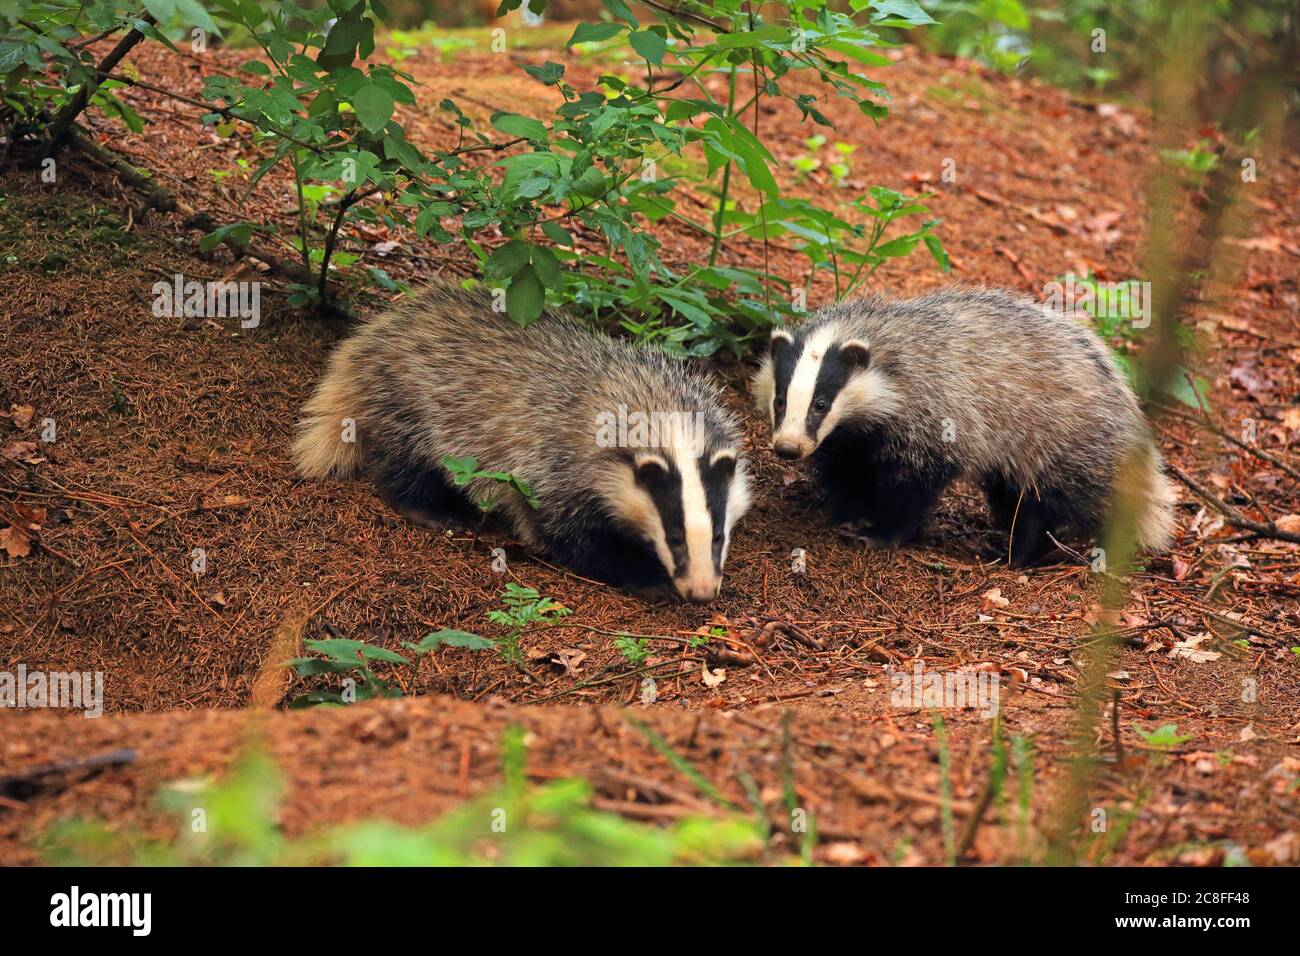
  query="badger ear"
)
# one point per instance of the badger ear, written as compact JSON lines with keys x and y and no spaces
{"x":856,"y":352}
{"x":649,"y":470}
{"x":722,"y":464}
{"x":780,"y":341}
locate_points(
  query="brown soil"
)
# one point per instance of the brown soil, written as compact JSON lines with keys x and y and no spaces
{"x":173,"y":435}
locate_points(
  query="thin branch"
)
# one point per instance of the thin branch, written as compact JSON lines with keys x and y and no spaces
{"x":1230,"y":514}
{"x":1231,"y":439}
{"x":344,"y":205}
{"x":684,"y":15}
{"x":72,"y":109}
{"x":162,"y":199}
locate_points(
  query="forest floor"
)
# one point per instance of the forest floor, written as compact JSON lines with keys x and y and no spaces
{"x":173,"y":435}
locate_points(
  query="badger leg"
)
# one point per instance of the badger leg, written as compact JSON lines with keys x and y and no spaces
{"x":592,"y":546}
{"x":875,"y":496}
{"x":422,"y":494}
{"x":844,"y":466}
{"x":1028,"y":516}
{"x":901,"y":496}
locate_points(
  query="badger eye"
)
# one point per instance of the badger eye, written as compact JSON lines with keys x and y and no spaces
{"x":819,"y":405}
{"x":676,"y":540}
{"x":718,"y":537}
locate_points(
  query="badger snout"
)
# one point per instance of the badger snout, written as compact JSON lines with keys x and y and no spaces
{"x":698,"y":592}
{"x":791,"y":449}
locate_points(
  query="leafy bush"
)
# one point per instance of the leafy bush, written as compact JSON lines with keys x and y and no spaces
{"x":313,"y":103}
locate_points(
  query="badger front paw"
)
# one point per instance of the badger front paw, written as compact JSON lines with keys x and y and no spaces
{"x":863,"y":531}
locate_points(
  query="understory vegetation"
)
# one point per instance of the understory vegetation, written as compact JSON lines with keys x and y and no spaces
{"x":569,"y":209}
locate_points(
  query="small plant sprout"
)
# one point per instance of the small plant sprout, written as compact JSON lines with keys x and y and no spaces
{"x":522,"y":608}
{"x":465,"y":470}
{"x":636,"y":650}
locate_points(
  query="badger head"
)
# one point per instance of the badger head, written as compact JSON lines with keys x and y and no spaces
{"x":815,"y":379}
{"x":683,"y":502}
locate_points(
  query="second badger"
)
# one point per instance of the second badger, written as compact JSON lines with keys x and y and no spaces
{"x":894,"y":399}
{"x":443,"y":375}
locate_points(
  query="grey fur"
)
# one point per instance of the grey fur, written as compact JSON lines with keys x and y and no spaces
{"x":442,"y":374}
{"x":1023,"y":392}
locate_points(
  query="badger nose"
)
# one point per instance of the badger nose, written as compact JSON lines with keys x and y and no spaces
{"x":787,"y":449}
{"x":700,"y":593}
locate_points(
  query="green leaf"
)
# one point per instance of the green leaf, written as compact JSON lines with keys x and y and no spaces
{"x":749,"y":39}
{"x":548,"y":73}
{"x":240,"y":232}
{"x":908,"y":10}
{"x":462,"y":470}
{"x":547,"y":267}
{"x":353,"y":652}
{"x":512,"y":124}
{"x":557,"y":234}
{"x":650,"y":45}
{"x":374,"y":106}
{"x":507,"y":260}
{"x":621,"y":11}
{"x":854,"y":51}
{"x":938,"y":253}
{"x":1194,"y":393}
{"x":594,"y":32}
{"x":341,"y":42}
{"x":525,"y":297}
{"x":436,"y":639}
{"x":896,"y":247}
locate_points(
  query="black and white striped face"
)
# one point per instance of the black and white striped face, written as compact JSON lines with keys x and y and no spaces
{"x":685,"y":505}
{"x":811,"y":382}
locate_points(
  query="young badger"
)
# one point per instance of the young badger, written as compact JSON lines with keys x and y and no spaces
{"x":444,"y":375}
{"x":894,"y":399}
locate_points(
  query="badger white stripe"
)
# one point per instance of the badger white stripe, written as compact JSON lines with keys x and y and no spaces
{"x":803,"y":382}
{"x":737,"y":504}
{"x":698,"y":575}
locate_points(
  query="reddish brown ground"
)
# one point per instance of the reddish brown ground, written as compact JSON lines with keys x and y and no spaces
{"x":174,"y":435}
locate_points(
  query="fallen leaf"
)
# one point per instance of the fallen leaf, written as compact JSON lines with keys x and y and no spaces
{"x":569,"y":658}
{"x":712,"y":678}
{"x":13,"y":540}
{"x":1190,"y":650}
{"x":844,"y":852}
{"x":1260,"y":389}
{"x":1284,"y":849}
{"x":21,"y":415}
{"x":1271,"y":243}
{"x":1289,"y":524}
{"x":24,"y":451}
{"x":34,"y":517}
{"x":993,"y":599}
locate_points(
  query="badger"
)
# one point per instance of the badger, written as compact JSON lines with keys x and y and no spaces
{"x":634,"y":466}
{"x":892,"y":400}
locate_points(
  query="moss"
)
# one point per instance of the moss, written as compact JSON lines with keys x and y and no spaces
{"x":54,"y":230}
